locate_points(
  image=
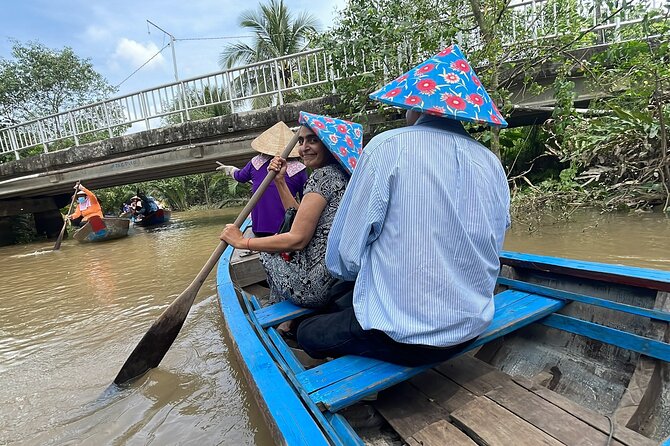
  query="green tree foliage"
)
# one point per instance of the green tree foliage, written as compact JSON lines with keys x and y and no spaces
{"x":40,"y":81}
{"x":276,"y":32}
{"x":512,"y":49}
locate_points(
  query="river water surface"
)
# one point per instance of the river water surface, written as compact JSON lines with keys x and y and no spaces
{"x":70,"y":318}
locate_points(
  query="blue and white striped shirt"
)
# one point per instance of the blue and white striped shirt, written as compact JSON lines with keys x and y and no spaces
{"x":420,"y":228}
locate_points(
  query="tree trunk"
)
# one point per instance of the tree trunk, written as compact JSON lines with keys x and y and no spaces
{"x":488,"y":38}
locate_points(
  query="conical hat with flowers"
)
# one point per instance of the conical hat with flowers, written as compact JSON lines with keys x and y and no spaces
{"x":344,"y":139}
{"x":444,"y":85}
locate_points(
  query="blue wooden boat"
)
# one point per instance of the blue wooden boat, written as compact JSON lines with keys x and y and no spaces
{"x":577,"y":353}
{"x":153,"y":218}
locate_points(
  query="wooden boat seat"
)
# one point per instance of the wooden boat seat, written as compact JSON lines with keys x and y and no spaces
{"x":344,"y":381}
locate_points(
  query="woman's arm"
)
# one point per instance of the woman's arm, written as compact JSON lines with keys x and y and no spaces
{"x":287,"y":199}
{"x":296,"y":239}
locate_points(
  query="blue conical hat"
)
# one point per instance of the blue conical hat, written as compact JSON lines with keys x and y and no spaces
{"x":444,"y":85}
{"x":343,"y":138}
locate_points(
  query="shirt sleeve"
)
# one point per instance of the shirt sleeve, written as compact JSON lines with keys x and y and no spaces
{"x":244,"y":174}
{"x":359,"y":218}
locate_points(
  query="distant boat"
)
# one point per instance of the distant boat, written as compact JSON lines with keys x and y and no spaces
{"x":154,"y":218}
{"x":577,"y":353}
{"x":102,"y":229}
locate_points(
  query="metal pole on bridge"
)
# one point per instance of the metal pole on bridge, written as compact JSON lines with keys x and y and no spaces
{"x":182,"y":95}
{"x":172,"y":42}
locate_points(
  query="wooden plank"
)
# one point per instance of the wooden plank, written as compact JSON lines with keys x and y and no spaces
{"x":547,"y":417}
{"x":626,"y":275}
{"x":619,"y":338}
{"x":443,"y":391}
{"x":246,"y":268}
{"x":335,"y":370}
{"x":261,"y":292}
{"x":280,"y":312}
{"x":492,"y":425}
{"x":407,"y":410}
{"x":349,"y":390}
{"x":592,"y":418}
{"x":443,"y":433}
{"x":474,"y":375}
{"x":348,"y":366}
{"x":603,"y":303}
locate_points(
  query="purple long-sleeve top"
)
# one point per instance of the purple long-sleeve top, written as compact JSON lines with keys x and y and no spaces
{"x":268,"y":214}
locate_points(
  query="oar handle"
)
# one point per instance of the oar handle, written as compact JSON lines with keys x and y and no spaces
{"x":69,"y":211}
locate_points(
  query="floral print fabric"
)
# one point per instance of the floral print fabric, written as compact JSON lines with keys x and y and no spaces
{"x":305,"y":280}
{"x":444,"y":85}
{"x":343,"y":138}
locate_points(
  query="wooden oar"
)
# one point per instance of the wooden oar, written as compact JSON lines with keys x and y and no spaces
{"x":69,"y":211}
{"x":156,"y":342}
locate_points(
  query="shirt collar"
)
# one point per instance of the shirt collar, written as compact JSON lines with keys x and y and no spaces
{"x":441,"y":123}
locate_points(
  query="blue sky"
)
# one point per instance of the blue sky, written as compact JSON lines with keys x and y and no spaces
{"x":113,"y":34}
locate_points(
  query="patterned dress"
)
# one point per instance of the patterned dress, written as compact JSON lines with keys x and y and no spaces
{"x":305,"y":280}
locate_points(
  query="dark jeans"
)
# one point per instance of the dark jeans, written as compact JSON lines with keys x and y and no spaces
{"x":338,"y":333}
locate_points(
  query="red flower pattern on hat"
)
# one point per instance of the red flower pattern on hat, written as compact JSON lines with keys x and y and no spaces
{"x":461,"y":65}
{"x":446,"y":86}
{"x":454,"y":101}
{"x":426,"y":68}
{"x":412,"y":100}
{"x":475,"y":99}
{"x":426,"y":86}
{"x":330,"y":130}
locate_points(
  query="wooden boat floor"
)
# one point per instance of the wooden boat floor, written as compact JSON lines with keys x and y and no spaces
{"x":466,"y":401}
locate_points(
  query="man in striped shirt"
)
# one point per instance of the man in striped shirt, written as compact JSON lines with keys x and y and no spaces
{"x":420,"y":227}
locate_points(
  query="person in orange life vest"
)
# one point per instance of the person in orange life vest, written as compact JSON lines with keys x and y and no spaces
{"x":87,"y":206}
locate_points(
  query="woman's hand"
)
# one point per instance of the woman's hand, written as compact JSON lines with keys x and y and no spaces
{"x":232,"y":235}
{"x":278,"y":164}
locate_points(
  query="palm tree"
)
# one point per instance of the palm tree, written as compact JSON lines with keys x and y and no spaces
{"x":276,"y":32}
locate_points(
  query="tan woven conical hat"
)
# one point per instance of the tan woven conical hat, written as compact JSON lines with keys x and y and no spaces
{"x":273,"y":141}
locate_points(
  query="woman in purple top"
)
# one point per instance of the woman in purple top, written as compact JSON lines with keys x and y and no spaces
{"x":268,"y":214}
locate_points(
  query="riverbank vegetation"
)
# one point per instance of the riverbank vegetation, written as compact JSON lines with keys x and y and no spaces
{"x":600,"y":143}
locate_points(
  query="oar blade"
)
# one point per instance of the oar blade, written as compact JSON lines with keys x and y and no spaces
{"x":157,"y":341}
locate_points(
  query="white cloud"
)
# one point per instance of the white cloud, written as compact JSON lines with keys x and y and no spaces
{"x":137,"y":54}
{"x":96,"y":33}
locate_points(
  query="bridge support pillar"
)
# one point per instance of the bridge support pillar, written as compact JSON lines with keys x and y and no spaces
{"x":48,"y":223}
{"x":6,"y":234}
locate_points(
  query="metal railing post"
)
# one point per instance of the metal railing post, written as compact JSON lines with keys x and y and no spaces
{"x":107,"y":121}
{"x":73,"y":126}
{"x":43,"y":139}
{"x":145,"y":109}
{"x":13,"y":142}
{"x":230,"y":91}
{"x":280,"y":96}
{"x":184,"y":100}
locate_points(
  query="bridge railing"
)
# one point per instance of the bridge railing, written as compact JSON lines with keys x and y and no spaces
{"x":297,"y":76}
